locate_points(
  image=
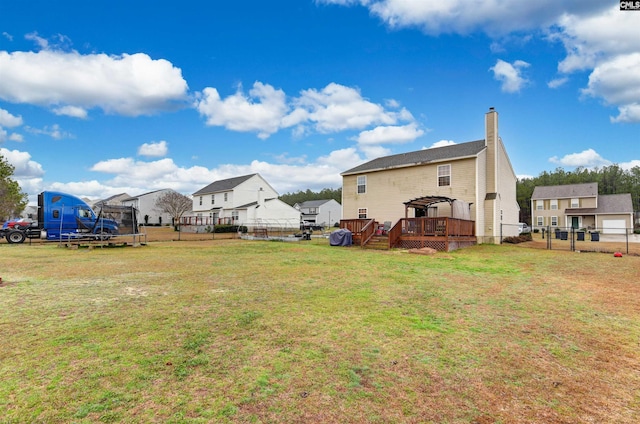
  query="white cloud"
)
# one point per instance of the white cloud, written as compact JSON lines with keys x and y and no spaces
{"x":338,"y":108}
{"x":461,"y":17}
{"x":158,"y":149}
{"x":390,"y":135}
{"x":587,"y":158}
{"x":557,"y":82}
{"x":441,"y":143}
{"x":618,"y":82}
{"x":631,"y":164}
{"x":510,"y":74}
{"x":16,"y":137}
{"x":266,"y":110}
{"x":73,"y":111}
{"x":7,"y":35}
{"x":129,"y":85}
{"x":262,"y":111}
{"x":25,"y":168}
{"x":9,"y":120}
{"x":53,"y":131}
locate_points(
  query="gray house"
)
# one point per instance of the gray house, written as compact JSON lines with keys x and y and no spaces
{"x":580,"y":206}
{"x":321,"y":212}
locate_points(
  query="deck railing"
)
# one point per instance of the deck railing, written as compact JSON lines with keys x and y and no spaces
{"x":439,"y":226}
{"x":361,"y":229}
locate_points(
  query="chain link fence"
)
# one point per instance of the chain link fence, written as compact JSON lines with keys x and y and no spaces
{"x":606,"y":240}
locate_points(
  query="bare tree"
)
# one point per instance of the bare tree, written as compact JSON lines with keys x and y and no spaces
{"x":174,"y":204}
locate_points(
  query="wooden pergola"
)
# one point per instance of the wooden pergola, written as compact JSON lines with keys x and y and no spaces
{"x":424,"y":203}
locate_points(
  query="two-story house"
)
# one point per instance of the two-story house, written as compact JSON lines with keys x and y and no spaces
{"x":476,"y":175}
{"x":246,"y":200}
{"x":320,"y":212}
{"x":145,"y":203}
{"x":580,"y":206}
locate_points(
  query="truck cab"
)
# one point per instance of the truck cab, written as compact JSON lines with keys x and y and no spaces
{"x":64,"y":216}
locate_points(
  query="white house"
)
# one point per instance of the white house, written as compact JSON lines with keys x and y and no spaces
{"x":247,"y":200}
{"x":320,"y":212}
{"x":146,"y":206}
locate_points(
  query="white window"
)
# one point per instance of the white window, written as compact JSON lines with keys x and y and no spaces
{"x":575,"y":203}
{"x":540,"y":220}
{"x":362,"y":184}
{"x":235,"y":215}
{"x":444,"y":175}
{"x":226,"y":197}
{"x":539,"y":205}
{"x":200,"y":200}
{"x":554,"y":204}
{"x":362,"y":213}
{"x":213,"y":199}
{"x":313,"y":211}
{"x":554,"y":221}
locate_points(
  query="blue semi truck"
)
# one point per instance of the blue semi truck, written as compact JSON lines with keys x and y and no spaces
{"x":61,"y":216}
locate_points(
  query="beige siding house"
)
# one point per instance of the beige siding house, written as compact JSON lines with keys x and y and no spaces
{"x":477,"y":173}
{"x":580,"y":206}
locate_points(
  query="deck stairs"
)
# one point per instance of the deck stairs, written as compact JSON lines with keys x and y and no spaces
{"x":378,"y":242}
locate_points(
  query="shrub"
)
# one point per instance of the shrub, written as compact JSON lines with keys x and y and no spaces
{"x":229,"y":229}
{"x":518,"y":239}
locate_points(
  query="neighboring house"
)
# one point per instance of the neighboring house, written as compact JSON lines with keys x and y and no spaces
{"x":115,"y":200}
{"x":477,"y":174}
{"x":580,"y":206}
{"x":148,"y":213}
{"x":320,"y":212}
{"x":247,"y":200}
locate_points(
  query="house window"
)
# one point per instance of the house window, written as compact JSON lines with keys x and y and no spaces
{"x":213,"y":199}
{"x":200,"y":200}
{"x":226,"y":197}
{"x":444,"y":175}
{"x":575,"y":203}
{"x":554,"y":221}
{"x":362,"y":213}
{"x":235,"y":215}
{"x":554,"y":204}
{"x":362,"y":184}
{"x":313,"y":211}
{"x":540,"y":222}
{"x":539,"y":205}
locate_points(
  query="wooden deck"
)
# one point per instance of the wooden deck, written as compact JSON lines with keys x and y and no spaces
{"x":440,"y":233}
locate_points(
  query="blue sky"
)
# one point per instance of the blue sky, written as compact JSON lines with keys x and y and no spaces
{"x":100,"y":98}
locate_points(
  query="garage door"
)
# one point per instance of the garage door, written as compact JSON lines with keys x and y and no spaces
{"x":613,"y":226}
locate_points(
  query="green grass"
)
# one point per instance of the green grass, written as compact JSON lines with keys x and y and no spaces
{"x":236,"y":331}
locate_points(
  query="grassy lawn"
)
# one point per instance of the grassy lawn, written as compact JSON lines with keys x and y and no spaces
{"x":239,"y":331}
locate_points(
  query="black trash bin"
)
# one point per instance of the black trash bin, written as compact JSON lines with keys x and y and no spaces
{"x":564,"y":235}
{"x":580,"y":235}
{"x":595,"y":236}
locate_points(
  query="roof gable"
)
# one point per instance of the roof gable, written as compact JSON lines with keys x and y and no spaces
{"x":223,"y":185}
{"x":566,"y":191}
{"x":421,"y":157}
{"x":312,"y":203}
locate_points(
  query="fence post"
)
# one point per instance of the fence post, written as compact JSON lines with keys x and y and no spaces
{"x":549,"y":237}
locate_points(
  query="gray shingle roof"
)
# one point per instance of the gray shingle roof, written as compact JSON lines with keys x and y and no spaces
{"x":567,"y":191}
{"x":420,"y":157}
{"x":608,"y":204}
{"x":312,"y":203}
{"x":223,"y":185}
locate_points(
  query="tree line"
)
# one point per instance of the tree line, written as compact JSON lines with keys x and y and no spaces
{"x":302,"y":196}
{"x":611,"y":180}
